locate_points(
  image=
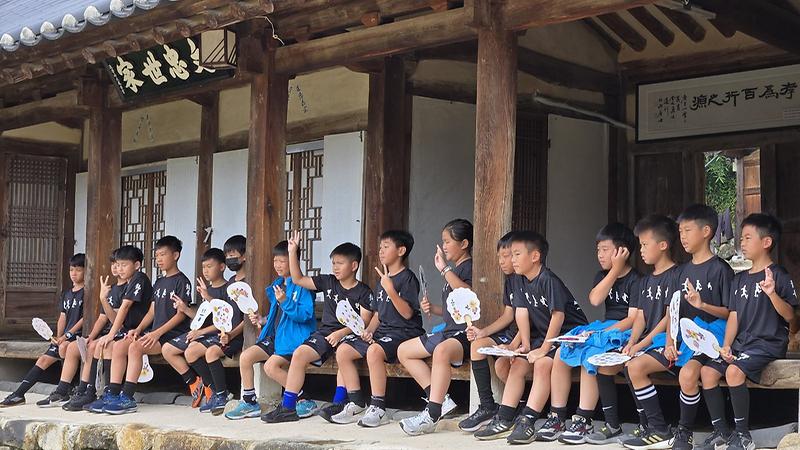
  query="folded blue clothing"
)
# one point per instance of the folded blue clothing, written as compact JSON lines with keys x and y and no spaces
{"x":599,"y":341}
{"x":716,"y":327}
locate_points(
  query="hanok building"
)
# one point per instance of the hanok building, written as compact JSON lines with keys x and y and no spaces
{"x":125,"y":120}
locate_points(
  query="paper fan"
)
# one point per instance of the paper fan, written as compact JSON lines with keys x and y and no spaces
{"x":698,"y":339}
{"x":43,"y":329}
{"x":80,"y":341}
{"x":147,"y":372}
{"x":222,"y":314}
{"x":608,"y":359}
{"x":241,"y":294}
{"x":463,"y":306}
{"x":348,"y":317}
{"x":423,"y":281}
{"x":675,"y":315}
{"x":203,"y":311}
{"x":572,"y":339}
{"x":501,"y":352}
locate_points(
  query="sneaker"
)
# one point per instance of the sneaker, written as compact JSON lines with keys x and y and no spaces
{"x":349,"y":414}
{"x":577,"y":431}
{"x":306,"y":408}
{"x":99,"y":405}
{"x":683,"y":439}
{"x":12,"y":400}
{"x":120,"y":405}
{"x":280,"y":415}
{"x":716,"y":440}
{"x":524,"y":431}
{"x":741,"y":441}
{"x":650,"y":440}
{"x":218,"y":402}
{"x":331,"y":410}
{"x":496,"y":429}
{"x":479,"y":418}
{"x":551,"y":429}
{"x":374,"y":417}
{"x":637,"y":432}
{"x":78,"y":401}
{"x":422,"y":423}
{"x":605,"y":435}
{"x":244,"y":410}
{"x":53,"y":400}
{"x":448,"y":405}
{"x":196,"y":391}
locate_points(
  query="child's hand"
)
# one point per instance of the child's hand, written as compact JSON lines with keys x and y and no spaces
{"x":60,"y":340}
{"x":630,"y":349}
{"x":254,"y":319}
{"x":620,"y":258}
{"x":224,"y":339}
{"x":534,"y":355}
{"x":105,"y":288}
{"x":439,"y":259}
{"x":425,"y":305}
{"x":192,"y":335}
{"x":474,"y":333}
{"x":523,"y":348}
{"x":335,"y":337}
{"x":132,"y":335}
{"x":692,"y":296}
{"x":386,"y":281}
{"x":202,"y":288}
{"x":367,"y":337}
{"x":280,"y":295}
{"x":148,"y":340}
{"x":725,"y":353}
{"x":768,"y":285}
{"x":670,"y":352}
{"x":294,"y":241}
{"x":179,"y":304}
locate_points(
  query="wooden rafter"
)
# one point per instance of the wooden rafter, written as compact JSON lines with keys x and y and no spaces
{"x":524,"y":14}
{"x":690,"y":27}
{"x":62,"y":106}
{"x":653,"y":25}
{"x":604,"y":36}
{"x":624,"y":31}
{"x":761,"y":20}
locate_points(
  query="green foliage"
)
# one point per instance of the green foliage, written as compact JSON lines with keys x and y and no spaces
{"x":720,"y":182}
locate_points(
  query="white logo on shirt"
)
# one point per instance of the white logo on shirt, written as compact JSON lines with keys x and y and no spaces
{"x":137,"y":288}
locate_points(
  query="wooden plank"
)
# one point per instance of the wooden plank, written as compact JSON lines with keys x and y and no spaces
{"x":604,"y":36}
{"x":524,"y":14}
{"x":762,"y":20}
{"x":209,"y":140}
{"x":62,"y":106}
{"x":653,"y":25}
{"x":39,"y":148}
{"x":690,"y":27}
{"x":624,"y":31}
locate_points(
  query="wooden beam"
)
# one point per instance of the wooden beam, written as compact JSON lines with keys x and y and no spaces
{"x":524,"y":14}
{"x":761,"y":20}
{"x":624,"y":31}
{"x":653,"y":25}
{"x":690,"y":27}
{"x":40,"y":148}
{"x":604,"y":36}
{"x":63,"y":106}
{"x":209,"y":140}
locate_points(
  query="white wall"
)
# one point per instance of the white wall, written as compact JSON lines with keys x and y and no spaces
{"x":442,"y":178}
{"x":577,"y":201}
{"x":180,"y":208}
{"x":229,"y":197}
{"x":80,"y":212}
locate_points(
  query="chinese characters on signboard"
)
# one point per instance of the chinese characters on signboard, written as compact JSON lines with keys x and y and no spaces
{"x":757,"y":99}
{"x":161,"y":68}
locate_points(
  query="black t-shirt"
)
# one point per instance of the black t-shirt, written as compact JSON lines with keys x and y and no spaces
{"x":163,"y":290}
{"x":140,"y":292}
{"x":71,"y":305}
{"x":115,"y":300}
{"x":391,"y":321}
{"x":333,"y":292}
{"x":712,"y":280}
{"x":464,"y":272}
{"x":656,"y":293}
{"x":761,"y":329}
{"x":543,"y":295}
{"x":623,"y":294}
{"x":512,"y":288}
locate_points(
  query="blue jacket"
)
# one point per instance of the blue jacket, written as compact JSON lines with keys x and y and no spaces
{"x":600,"y":341}
{"x":297,"y":321}
{"x":716,"y":327}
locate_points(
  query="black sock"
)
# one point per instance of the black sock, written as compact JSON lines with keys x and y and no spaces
{"x":30,"y":379}
{"x":608,"y":399}
{"x":63,"y":387}
{"x":561,"y":412}
{"x":531,"y":413}
{"x":689,"y":405}
{"x":483,"y":381}
{"x":506,"y":413}
{"x":357,"y":397}
{"x":201,"y":368}
{"x":106,"y":372}
{"x":129,"y":389}
{"x":648,"y":397}
{"x":81,"y":387}
{"x":378,"y":401}
{"x":639,"y":408}
{"x":435,"y":410}
{"x":249,"y":396}
{"x":218,"y":376}
{"x":740,"y":398}
{"x":716,"y":408}
{"x":114,"y":388}
{"x":427,"y":392}
{"x":586,"y":414}
{"x":189,"y":376}
{"x":93,"y":372}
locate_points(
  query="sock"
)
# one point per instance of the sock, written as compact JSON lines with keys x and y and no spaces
{"x":30,"y":379}
{"x":608,"y":398}
{"x":357,"y":397}
{"x":201,"y":368}
{"x":586,"y":414}
{"x":81,"y":387}
{"x":639,"y":408}
{"x":648,"y":397}
{"x":561,"y":412}
{"x":218,"y":376}
{"x":340,"y":395}
{"x":427,"y":392}
{"x":716,"y":408}
{"x":740,"y":398}
{"x":63,"y":387}
{"x":378,"y":401}
{"x":506,"y":413}
{"x":532,"y":413}
{"x":689,"y":405}
{"x":129,"y":389}
{"x":93,"y":372}
{"x":115,"y":388}
{"x":289,"y":400}
{"x":249,"y":396}
{"x":435,"y":410}
{"x":106,"y":372}
{"x":483,"y":380}
{"x":189,"y":376}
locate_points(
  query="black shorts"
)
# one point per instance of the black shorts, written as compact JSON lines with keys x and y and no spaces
{"x":751,"y":365}
{"x":502,"y":338}
{"x":658,"y":354}
{"x":179,"y":342}
{"x":702,"y":358}
{"x":170,"y":336}
{"x":319,"y":344}
{"x":52,"y":350}
{"x":431,"y":340}
{"x":233,"y":348}
{"x":388,"y":341}
{"x":269,"y":348}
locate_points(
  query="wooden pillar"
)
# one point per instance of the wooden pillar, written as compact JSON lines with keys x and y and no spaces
{"x":103,"y":191}
{"x":387,"y":160}
{"x":209,"y":140}
{"x":495,"y":126}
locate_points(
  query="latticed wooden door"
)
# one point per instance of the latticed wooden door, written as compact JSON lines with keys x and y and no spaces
{"x":304,"y":203}
{"x":142,"y":218}
{"x":31,"y":239}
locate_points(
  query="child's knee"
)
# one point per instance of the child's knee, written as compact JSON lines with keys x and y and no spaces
{"x":688,"y":376}
{"x":734,"y":376}
{"x":214,"y":353}
{"x":709,"y":376}
{"x":375,"y":354}
{"x":443,"y":353}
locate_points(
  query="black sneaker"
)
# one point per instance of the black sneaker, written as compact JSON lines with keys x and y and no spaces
{"x":551,"y":429}
{"x":577,"y":431}
{"x":496,"y":429}
{"x":53,"y":400}
{"x":683,"y":439}
{"x":330,"y":411}
{"x":605,"y":435}
{"x":12,"y":400}
{"x":78,"y":401}
{"x":650,"y":440}
{"x":741,"y":441}
{"x":477,"y":419}
{"x":524,"y":431}
{"x":715,"y":440}
{"x":281,"y":414}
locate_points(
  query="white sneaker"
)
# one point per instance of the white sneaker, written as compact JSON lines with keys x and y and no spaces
{"x":422,"y":423}
{"x":374,"y":417}
{"x":348,"y":414}
{"x":448,"y":405}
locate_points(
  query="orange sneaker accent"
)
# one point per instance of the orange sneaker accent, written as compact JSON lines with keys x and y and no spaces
{"x":196,"y":391}
{"x":208,"y":392}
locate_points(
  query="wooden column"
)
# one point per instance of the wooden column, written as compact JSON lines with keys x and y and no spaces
{"x":495,"y":126}
{"x":387,"y":160}
{"x":103,"y":191}
{"x":209,"y":140}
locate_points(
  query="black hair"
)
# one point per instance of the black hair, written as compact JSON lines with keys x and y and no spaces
{"x":282,"y":249}
{"x":349,"y":250}
{"x":237,"y":243}
{"x":400,"y":238}
{"x":171,"y":242}
{"x":619,"y":234}
{"x":112,"y":258}
{"x":77,"y":260}
{"x":505,"y":241}
{"x":460,"y":230}
{"x":766,"y":225}
{"x":533,"y":241}
{"x":702,"y":215}
{"x":663,"y":228}
{"x":130,"y":253}
{"x":215,"y":254}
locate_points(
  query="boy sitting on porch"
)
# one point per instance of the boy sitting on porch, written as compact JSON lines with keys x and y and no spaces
{"x":70,"y":321}
{"x":235,"y":259}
